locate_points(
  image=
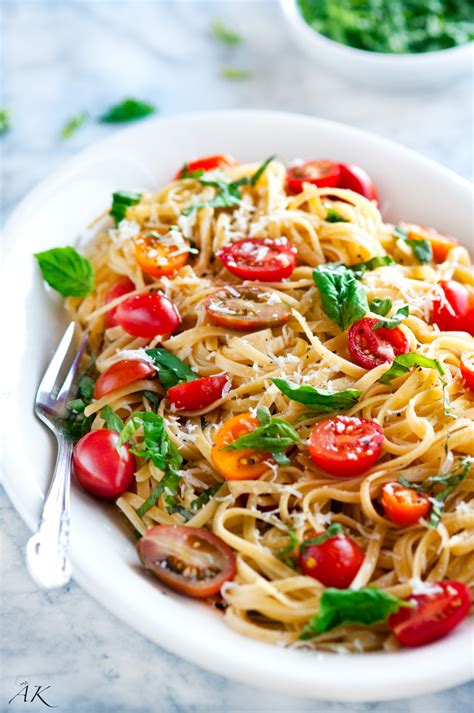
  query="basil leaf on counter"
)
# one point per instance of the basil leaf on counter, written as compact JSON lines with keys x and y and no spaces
{"x":74,"y":124}
{"x":343,"y":297}
{"x":121,"y":201}
{"x":5,"y":124}
{"x":171,"y":370}
{"x":235,"y":73}
{"x":403,"y":363}
{"x":127,"y":110}
{"x":224,"y":34}
{"x":317,"y":399}
{"x":66,"y":271}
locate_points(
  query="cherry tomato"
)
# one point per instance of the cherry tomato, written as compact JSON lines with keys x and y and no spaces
{"x":453,"y":308}
{"x":245,"y":308}
{"x":369,"y":347}
{"x":198,"y":394}
{"x":190,"y":560}
{"x":320,"y":172}
{"x":467,"y":368}
{"x":345,"y":445}
{"x":119,"y":288}
{"x":148,"y":315}
{"x":404,"y":506}
{"x":158,"y":255}
{"x":242,"y":464}
{"x":356,"y":179}
{"x":207,"y":163}
{"x":120,"y":374}
{"x":433,"y":615}
{"x":99,"y":467}
{"x":334,"y":561}
{"x":259,"y":259}
{"x":441,"y":245}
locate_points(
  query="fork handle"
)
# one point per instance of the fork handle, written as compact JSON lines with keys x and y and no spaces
{"x":46,"y":552}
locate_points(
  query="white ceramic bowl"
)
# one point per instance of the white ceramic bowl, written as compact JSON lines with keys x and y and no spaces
{"x":379,"y":68}
{"x":102,"y":552}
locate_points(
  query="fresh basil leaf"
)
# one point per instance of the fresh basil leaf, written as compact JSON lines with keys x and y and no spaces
{"x":343,"y":297}
{"x":317,"y":399}
{"x":394,"y":321}
{"x":285,"y":552}
{"x":274,"y":436}
{"x":403,"y":363}
{"x":235,"y":74}
{"x":169,"y":485}
{"x":261,"y":170}
{"x":338,"y":607}
{"x":74,"y":124}
{"x":128,"y":110}
{"x":121,"y":202}
{"x":450,"y":480}
{"x":153,"y":398}
{"x":359,"y":268}
{"x":332,"y":531}
{"x":421,"y":248}
{"x":5,"y":123}
{"x":205,"y":497}
{"x":332,"y":216}
{"x":381,"y":307}
{"x":171,"y":370}
{"x":86,"y":385}
{"x":66,"y":271}
{"x":112,"y":421}
{"x":224,"y":34}
{"x":76,"y":406}
{"x":186,"y":173}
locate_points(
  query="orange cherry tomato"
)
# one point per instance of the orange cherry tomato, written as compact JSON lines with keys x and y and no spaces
{"x":404,"y":506}
{"x":441,"y":244}
{"x":120,"y":374}
{"x":467,"y":368}
{"x":207,"y":163}
{"x":242,"y":464}
{"x":158,"y":255}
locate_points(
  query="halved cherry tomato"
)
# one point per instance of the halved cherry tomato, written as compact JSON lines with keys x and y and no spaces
{"x":320,"y":172}
{"x":334,"y":561}
{"x":404,"y":506}
{"x":467,"y":368}
{"x":148,"y":315}
{"x":246,"y":308}
{"x":207,"y":163}
{"x":120,"y":374}
{"x":369,"y":347}
{"x":119,"y":288}
{"x":345,"y":445}
{"x":242,"y":464}
{"x":259,"y":259}
{"x":433,"y":615}
{"x":198,"y":394}
{"x":159,"y":255}
{"x":441,"y":245}
{"x":99,"y":467}
{"x":453,"y":308}
{"x":190,"y":560}
{"x":356,"y":179}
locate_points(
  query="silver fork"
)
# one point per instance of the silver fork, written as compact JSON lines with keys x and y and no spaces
{"x":46,"y":551}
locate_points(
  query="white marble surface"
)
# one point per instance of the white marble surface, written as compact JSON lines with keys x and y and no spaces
{"x":57,"y":59}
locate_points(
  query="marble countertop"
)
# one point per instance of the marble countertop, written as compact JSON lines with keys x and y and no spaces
{"x":58,"y":59}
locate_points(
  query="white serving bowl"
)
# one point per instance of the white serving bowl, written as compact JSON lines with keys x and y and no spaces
{"x":102,"y":551}
{"x":379,"y":68}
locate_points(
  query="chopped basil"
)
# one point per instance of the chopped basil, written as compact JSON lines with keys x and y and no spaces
{"x":343,"y":297}
{"x":338,"y":607}
{"x":205,"y":496}
{"x":381,"y":307}
{"x":76,"y":425}
{"x":112,"y":421}
{"x":5,"y":124}
{"x":153,"y":398}
{"x":224,"y":34}
{"x":273,"y":435}
{"x":66,"y":271}
{"x":332,"y":531}
{"x":121,"y":202}
{"x":235,"y":73}
{"x":74,"y":124}
{"x":403,"y":363}
{"x":317,"y":399}
{"x":359,"y":268}
{"x":128,"y":110}
{"x":285,"y":552}
{"x":171,"y":370}
{"x":332,"y":216}
{"x":392,"y":322}
{"x":420,"y":248}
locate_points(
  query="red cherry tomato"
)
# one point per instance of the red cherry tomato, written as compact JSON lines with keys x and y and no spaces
{"x":120,"y":374}
{"x":246,"y":307}
{"x":259,"y":259}
{"x":119,"y":288}
{"x":404,"y":506}
{"x":198,"y":394}
{"x":148,"y":315}
{"x":356,"y":179}
{"x":453,"y":308}
{"x":433,"y":615}
{"x":99,"y":467}
{"x":467,"y":368}
{"x":369,"y":347}
{"x":207,"y":163}
{"x":334,"y":562}
{"x":191,"y":560}
{"x":320,"y":172}
{"x":345,"y":445}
